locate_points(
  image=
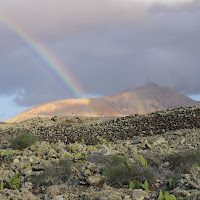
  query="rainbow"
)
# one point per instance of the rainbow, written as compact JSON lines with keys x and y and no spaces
{"x":51,"y":62}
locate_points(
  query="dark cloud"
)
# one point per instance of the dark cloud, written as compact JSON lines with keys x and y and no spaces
{"x":109,"y":47}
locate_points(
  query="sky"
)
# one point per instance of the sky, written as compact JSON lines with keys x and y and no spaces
{"x":62,"y":49}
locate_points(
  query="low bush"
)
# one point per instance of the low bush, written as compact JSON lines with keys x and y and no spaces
{"x":55,"y":174}
{"x":183,"y":162}
{"x":152,"y":160}
{"x":119,"y":172}
{"x":23,"y":141}
{"x":106,"y":160}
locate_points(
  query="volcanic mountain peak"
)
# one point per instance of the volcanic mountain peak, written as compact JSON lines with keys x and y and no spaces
{"x":142,"y":100}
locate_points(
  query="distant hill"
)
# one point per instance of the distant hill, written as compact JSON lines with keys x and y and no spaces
{"x":142,"y":100}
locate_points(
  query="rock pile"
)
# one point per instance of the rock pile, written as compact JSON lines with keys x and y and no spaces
{"x":121,"y":128}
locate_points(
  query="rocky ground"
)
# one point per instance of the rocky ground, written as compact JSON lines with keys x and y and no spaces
{"x":167,"y":162}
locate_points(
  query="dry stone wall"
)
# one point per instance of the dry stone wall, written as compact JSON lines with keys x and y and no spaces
{"x":121,"y":128}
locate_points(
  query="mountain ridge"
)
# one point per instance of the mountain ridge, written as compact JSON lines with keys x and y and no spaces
{"x":141,"y":100}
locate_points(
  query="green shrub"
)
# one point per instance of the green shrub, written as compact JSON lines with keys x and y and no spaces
{"x":151,"y":159}
{"x":118,"y":160}
{"x":119,"y":172}
{"x":55,"y":174}
{"x":184,"y":161}
{"x":23,"y":141}
{"x":99,"y":159}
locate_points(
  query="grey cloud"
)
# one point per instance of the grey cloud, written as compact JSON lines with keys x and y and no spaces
{"x":106,"y":52}
{"x":26,"y":77}
{"x":53,"y":18}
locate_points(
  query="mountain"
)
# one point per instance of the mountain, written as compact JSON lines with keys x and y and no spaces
{"x":142,"y":100}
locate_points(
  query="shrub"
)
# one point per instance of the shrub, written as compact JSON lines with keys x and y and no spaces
{"x":99,"y":159}
{"x":151,"y":159}
{"x":23,"y":141}
{"x":55,"y":174}
{"x":184,"y":161}
{"x":118,"y":160}
{"x":119,"y":172}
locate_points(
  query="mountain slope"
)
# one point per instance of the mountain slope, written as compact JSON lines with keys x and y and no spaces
{"x":141,"y":100}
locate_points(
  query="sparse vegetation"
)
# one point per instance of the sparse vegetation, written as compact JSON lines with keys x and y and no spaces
{"x":99,"y":159}
{"x":23,"y":141}
{"x":183,"y":162}
{"x":55,"y":174}
{"x":119,"y":172}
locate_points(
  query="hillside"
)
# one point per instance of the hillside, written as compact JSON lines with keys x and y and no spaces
{"x":70,"y":130}
{"x":79,"y":159}
{"x":142,"y":100}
